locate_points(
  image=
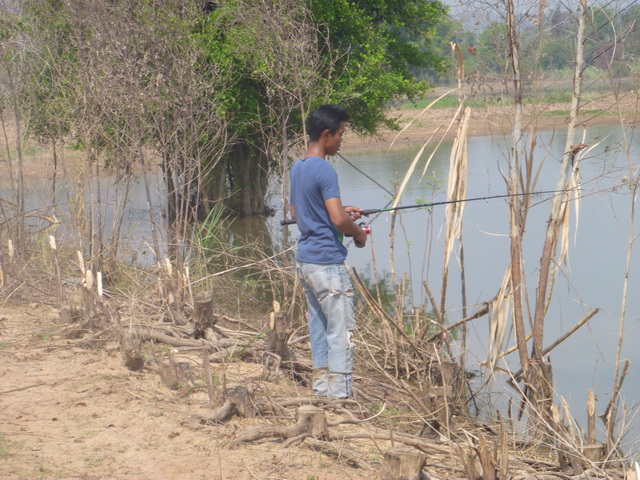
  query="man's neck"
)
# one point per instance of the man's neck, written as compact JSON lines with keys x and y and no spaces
{"x":315,"y":149}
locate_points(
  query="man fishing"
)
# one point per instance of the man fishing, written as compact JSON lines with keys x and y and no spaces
{"x":322,"y":220}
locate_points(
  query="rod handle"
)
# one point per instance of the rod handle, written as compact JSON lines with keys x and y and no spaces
{"x":370,"y":211}
{"x":288,"y":222}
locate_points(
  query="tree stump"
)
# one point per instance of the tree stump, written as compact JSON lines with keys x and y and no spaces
{"x":203,"y":317}
{"x":175,"y":375}
{"x":591,"y":418}
{"x":314,"y":421}
{"x":448,"y":371}
{"x":451,"y":375}
{"x":440,"y":404}
{"x":403,"y":463}
{"x":311,"y":422}
{"x":130,"y":352}
{"x":539,"y":383}
{"x":277,"y":347}
{"x":279,"y":334}
{"x":241,"y":398}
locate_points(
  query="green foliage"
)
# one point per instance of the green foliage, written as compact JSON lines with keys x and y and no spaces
{"x":447,"y":31}
{"x":566,"y":113}
{"x":213,"y":233}
{"x":121,"y":79}
{"x":362,"y":56}
{"x":377,"y":44}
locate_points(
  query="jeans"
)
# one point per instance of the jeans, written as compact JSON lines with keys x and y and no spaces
{"x":329,"y":294}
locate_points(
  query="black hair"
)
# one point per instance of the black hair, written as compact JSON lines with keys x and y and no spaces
{"x":326,"y":117}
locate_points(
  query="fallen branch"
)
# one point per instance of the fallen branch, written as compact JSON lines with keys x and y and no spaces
{"x":221,"y":415}
{"x":330,"y":448}
{"x":149,"y":334}
{"x":237,"y":402}
{"x":311,"y":420}
{"x":228,"y":343}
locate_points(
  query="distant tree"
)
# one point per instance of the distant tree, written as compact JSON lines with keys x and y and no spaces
{"x":491,"y":50}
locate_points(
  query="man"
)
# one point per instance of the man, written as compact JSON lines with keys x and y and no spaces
{"x":322,"y":221}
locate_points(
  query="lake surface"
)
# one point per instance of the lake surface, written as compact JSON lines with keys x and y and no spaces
{"x":593,"y":277}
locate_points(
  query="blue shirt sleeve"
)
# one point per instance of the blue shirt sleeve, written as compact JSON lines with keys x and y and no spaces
{"x":328,"y":182}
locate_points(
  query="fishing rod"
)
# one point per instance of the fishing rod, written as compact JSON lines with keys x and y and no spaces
{"x":435,"y":204}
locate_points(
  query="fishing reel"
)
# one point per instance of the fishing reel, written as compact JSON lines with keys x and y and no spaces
{"x":364,"y":227}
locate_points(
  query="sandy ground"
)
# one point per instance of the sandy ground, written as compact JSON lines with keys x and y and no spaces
{"x":71,"y":410}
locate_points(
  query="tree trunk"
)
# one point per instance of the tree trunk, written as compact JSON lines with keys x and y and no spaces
{"x":553,"y":224}
{"x":403,"y":463}
{"x":248,"y":171}
{"x":539,"y":384}
{"x":213,"y":189}
{"x":515,"y":205}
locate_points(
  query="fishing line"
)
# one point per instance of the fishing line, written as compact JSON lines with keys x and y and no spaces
{"x":374,"y":181}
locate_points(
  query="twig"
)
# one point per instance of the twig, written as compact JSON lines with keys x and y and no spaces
{"x":23,"y":388}
{"x":483,"y":311}
{"x":566,"y":335}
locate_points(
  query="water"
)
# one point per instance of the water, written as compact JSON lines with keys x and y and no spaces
{"x":592,"y":279}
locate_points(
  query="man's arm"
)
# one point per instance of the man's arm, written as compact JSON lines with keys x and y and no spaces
{"x":343,"y":221}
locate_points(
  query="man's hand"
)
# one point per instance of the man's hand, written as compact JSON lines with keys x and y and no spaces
{"x":354,"y":212}
{"x":360,"y":240}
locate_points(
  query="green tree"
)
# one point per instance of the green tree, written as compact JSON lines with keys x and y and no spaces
{"x":492,"y":50}
{"x":270,"y":52}
{"x":361,"y":54}
{"x":378,"y":45}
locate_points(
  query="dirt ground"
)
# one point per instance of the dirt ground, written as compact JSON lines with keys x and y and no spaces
{"x":71,"y":410}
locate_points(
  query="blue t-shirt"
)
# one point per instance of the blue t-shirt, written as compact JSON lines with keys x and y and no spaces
{"x":314,"y":180}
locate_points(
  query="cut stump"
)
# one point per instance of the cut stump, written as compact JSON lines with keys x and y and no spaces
{"x":314,"y":421}
{"x":403,"y":463}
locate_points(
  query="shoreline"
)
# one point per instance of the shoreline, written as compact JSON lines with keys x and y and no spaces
{"x":433,"y":125}
{"x":492,"y":120}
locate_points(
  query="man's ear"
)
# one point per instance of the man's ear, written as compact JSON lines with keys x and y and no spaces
{"x":325,"y":134}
